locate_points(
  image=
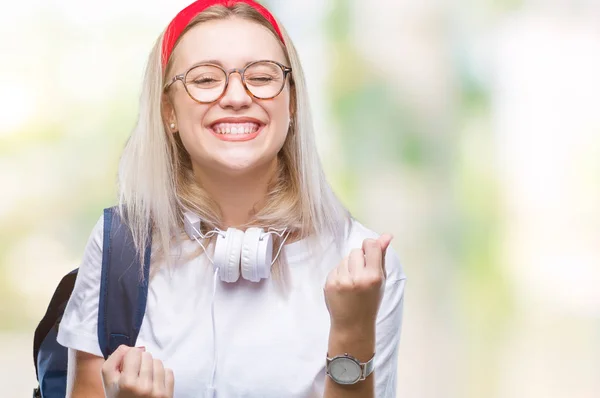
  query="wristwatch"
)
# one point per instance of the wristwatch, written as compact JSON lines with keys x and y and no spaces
{"x":345,"y":369}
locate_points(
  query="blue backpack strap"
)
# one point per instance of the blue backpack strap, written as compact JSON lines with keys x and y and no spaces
{"x":123,"y":290}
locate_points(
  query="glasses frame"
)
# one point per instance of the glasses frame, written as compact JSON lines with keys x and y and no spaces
{"x":285,"y":69}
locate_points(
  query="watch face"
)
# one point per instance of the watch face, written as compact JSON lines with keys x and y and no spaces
{"x":344,"y":370}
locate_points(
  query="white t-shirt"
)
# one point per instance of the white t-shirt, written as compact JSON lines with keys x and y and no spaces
{"x":268,"y":345}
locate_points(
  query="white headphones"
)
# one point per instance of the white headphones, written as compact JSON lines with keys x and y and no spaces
{"x":249,"y":253}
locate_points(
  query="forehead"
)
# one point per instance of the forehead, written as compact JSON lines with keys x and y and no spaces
{"x":233,"y":42}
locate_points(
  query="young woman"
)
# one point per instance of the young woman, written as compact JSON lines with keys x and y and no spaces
{"x":262,"y":285}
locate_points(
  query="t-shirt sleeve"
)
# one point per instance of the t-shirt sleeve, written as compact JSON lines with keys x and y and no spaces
{"x":78,"y":328}
{"x":389,"y":325}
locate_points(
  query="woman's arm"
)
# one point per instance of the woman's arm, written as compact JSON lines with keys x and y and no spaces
{"x":361,"y":344}
{"x":353,"y":293}
{"x":364,"y":296}
{"x":84,"y":375}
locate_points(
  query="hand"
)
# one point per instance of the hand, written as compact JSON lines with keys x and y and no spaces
{"x":354,"y":288}
{"x":133,"y":373}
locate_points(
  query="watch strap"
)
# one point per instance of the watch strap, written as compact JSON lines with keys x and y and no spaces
{"x":368,"y":367}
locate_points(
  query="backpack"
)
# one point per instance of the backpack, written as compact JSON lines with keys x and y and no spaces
{"x":121,"y":308}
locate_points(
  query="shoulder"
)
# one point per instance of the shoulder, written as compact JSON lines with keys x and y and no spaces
{"x":78,"y":327}
{"x":88,"y":276}
{"x":96,"y":238}
{"x":357,"y":233}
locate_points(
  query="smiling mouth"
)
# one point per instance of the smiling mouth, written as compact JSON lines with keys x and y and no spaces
{"x":236,"y":132}
{"x":235,"y":128}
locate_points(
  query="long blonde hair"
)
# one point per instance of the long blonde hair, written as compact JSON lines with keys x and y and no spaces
{"x":155,"y":174}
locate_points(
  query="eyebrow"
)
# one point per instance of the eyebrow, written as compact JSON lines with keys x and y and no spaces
{"x":209,"y":61}
{"x":217,"y":62}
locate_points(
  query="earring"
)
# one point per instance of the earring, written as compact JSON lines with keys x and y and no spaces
{"x":173,"y":126}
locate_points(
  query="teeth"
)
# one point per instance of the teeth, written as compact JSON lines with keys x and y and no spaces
{"x":235,"y":128}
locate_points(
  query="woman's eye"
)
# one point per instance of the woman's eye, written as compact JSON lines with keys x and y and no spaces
{"x":261,"y":79}
{"x":204,"y":80}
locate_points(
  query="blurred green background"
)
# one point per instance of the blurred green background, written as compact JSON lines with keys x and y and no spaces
{"x":468,"y":129}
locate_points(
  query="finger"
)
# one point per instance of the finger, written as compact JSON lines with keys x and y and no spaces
{"x":112,"y":366}
{"x":114,"y":361}
{"x":384,"y":241}
{"x":373,"y":255}
{"x":159,"y":377}
{"x":146,"y":371}
{"x":121,"y":365}
{"x":131,"y":365}
{"x":170,"y":382}
{"x":343,"y":273}
{"x":356,"y":261}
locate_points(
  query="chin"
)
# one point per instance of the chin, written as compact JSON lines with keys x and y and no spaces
{"x":239,"y":167}
{"x":239,"y":158}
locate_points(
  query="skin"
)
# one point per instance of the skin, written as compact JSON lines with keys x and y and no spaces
{"x":236,"y":175}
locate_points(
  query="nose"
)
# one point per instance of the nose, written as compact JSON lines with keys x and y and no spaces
{"x":235,"y":96}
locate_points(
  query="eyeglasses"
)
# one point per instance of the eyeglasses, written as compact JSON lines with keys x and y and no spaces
{"x":206,"y":83}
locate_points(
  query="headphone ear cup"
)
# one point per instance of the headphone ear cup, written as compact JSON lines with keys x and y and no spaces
{"x":227,"y":255}
{"x":220,"y":255}
{"x":250,"y":254}
{"x":264,"y":255}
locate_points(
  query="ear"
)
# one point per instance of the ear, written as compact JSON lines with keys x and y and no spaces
{"x":168,"y":114}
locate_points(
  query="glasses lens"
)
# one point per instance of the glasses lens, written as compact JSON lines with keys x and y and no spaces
{"x":205,"y":82}
{"x":264,"y":79}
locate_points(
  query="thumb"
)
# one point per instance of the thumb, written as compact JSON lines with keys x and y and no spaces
{"x":114,"y":362}
{"x":384,"y":241}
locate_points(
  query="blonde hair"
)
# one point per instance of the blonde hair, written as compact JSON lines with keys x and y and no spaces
{"x":155,"y":175}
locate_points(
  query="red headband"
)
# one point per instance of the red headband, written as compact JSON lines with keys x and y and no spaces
{"x":179,"y":23}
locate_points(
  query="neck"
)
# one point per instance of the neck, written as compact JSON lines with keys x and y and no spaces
{"x":239,"y":196}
